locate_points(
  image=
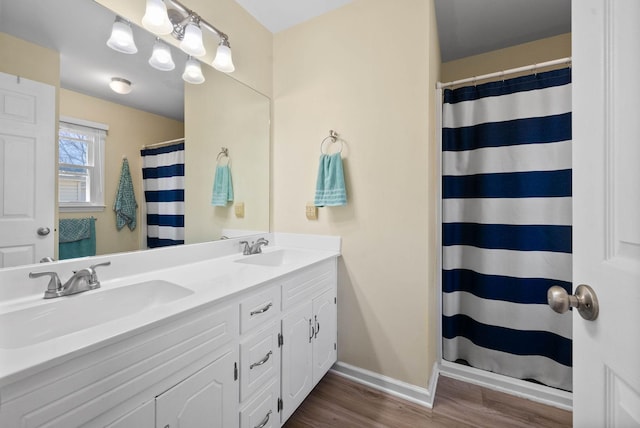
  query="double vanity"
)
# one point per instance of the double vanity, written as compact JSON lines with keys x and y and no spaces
{"x":198,"y":335}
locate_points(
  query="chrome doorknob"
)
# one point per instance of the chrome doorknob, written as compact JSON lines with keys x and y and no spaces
{"x":584,"y":300}
{"x":43,"y":231}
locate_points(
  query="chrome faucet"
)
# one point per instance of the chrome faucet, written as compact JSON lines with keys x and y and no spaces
{"x":254,"y":248}
{"x":82,"y":280}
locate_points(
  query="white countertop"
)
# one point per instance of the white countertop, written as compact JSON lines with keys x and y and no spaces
{"x":212,"y":281}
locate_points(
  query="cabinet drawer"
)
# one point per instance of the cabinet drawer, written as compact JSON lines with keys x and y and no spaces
{"x":309,"y":282}
{"x":262,"y":412}
{"x":259,"y":360}
{"x":259,"y":308}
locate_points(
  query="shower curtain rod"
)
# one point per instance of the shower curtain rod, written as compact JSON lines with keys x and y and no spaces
{"x":503,"y":73}
{"x":163,"y":143}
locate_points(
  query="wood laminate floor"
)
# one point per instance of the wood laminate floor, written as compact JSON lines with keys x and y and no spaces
{"x":337,"y":402}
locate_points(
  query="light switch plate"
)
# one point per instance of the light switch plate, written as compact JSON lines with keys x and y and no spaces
{"x":312,"y":211}
{"x":239,"y":207}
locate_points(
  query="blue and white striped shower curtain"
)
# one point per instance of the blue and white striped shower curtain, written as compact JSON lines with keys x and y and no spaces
{"x":506,"y":230}
{"x":163,"y":175}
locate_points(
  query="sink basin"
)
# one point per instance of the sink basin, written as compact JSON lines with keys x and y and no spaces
{"x":65,"y":315}
{"x":275,"y":258}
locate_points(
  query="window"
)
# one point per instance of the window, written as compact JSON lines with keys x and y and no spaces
{"x":81,"y":165}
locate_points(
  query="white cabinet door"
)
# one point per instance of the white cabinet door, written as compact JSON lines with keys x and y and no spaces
{"x":208,"y":398}
{"x":297,"y":381}
{"x":27,"y":170}
{"x":140,"y":417}
{"x":325,"y":334}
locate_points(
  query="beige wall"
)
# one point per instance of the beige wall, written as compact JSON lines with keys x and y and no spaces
{"x":129,"y":130}
{"x":516,"y":56}
{"x":367,"y":71}
{"x":29,"y":61}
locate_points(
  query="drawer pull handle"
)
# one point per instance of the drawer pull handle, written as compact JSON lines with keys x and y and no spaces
{"x":262,"y":361}
{"x":265,"y":421}
{"x":312,"y":331}
{"x":261,"y":310}
{"x":315,"y":334}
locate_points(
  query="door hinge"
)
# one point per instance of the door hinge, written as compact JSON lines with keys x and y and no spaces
{"x":235,"y":371}
{"x":335,"y":346}
{"x":280,"y":404}
{"x":335,"y":300}
{"x":280,"y":340}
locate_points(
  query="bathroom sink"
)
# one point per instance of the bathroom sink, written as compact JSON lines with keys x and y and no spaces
{"x":65,"y":315}
{"x":275,"y":258}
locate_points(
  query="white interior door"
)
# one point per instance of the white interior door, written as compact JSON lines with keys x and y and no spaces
{"x":606,"y":214}
{"x":27,"y":170}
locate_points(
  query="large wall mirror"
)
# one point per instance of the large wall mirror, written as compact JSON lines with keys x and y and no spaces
{"x":221,"y":112}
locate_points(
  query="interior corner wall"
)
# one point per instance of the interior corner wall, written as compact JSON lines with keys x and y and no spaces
{"x":365,"y":70}
{"x":535,"y":52}
{"x":129,"y":130}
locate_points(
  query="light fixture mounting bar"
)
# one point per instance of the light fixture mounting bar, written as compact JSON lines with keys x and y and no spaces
{"x":203,"y":23}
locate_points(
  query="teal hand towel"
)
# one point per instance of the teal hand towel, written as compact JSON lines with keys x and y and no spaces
{"x":75,"y":228}
{"x":330,"y":187}
{"x":125,"y":204}
{"x":222,"y":186}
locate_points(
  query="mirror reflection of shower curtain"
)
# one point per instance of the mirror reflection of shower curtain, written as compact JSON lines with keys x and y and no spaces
{"x":163,"y":179}
{"x":506,"y":214}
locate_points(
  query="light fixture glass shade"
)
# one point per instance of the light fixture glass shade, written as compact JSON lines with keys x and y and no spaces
{"x":193,"y":72}
{"x":223,"y":61}
{"x":161,"y":57}
{"x":192,"y":40}
{"x":120,"y":85}
{"x":155,"y":18}
{"x":121,"y":38}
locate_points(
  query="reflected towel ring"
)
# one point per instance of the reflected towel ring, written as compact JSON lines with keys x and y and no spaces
{"x":333,"y":136}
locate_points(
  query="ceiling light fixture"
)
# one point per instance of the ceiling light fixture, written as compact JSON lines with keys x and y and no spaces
{"x":193,"y":72}
{"x":161,"y":57}
{"x":187,"y":27}
{"x":121,"y":38}
{"x":120,"y":85}
{"x":155,"y":18}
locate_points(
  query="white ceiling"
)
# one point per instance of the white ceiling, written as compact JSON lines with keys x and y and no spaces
{"x":278,"y":15}
{"x":78,"y":29}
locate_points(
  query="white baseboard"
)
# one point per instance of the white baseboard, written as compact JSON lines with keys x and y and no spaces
{"x":520,"y":388}
{"x":415,"y":394}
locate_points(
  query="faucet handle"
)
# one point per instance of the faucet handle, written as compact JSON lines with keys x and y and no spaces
{"x":93,"y":279}
{"x":246,"y":250}
{"x":54,"y":287}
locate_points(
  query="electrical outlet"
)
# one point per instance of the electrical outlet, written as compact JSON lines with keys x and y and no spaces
{"x":239,"y":207}
{"x":312,"y":212}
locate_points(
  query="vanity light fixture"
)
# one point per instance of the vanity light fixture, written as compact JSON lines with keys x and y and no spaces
{"x":120,"y":85}
{"x":155,"y":18}
{"x":192,"y":38}
{"x":161,"y":57}
{"x":121,"y":38}
{"x":187,"y":27}
{"x":223,"y":61}
{"x":193,"y":72}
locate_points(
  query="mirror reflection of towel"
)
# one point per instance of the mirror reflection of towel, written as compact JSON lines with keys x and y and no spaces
{"x":125,"y":204}
{"x":77,"y":238}
{"x":330,"y":187}
{"x":222,"y":186}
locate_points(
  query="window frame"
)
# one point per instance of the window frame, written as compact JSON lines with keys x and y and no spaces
{"x":96,"y":170}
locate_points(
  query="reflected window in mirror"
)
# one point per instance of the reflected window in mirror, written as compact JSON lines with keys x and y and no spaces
{"x":81,"y":165}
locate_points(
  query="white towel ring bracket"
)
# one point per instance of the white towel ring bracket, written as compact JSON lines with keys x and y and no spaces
{"x":333,"y":136}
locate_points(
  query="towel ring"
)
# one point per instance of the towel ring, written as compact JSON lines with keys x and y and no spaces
{"x":333,"y":136}
{"x":223,"y":152}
